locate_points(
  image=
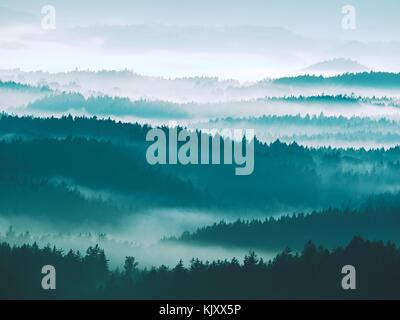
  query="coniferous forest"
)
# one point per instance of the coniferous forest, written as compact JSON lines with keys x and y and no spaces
{"x":314,"y":273}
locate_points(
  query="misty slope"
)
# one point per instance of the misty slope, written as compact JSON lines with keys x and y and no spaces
{"x":336,"y":66}
{"x":81,"y":172}
{"x":64,"y":103}
{"x":106,"y":106}
{"x":206,"y":89}
{"x":17,"y":86}
{"x":188,"y":114}
{"x":317,"y":131}
{"x":376,"y":218}
{"x":14,"y":95}
{"x":364,"y":79}
{"x":105,"y":157}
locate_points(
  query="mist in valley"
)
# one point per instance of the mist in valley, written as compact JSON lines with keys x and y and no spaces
{"x":140,"y":236}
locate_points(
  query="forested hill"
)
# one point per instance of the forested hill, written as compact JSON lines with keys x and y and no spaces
{"x":363,"y":79}
{"x":12,"y":85}
{"x":77,"y":157}
{"x":377,"y":218}
{"x":35,"y":127}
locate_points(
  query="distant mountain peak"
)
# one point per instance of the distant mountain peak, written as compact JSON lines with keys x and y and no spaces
{"x":337,"y":66}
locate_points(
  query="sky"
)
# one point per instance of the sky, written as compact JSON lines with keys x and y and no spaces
{"x":241,"y":39}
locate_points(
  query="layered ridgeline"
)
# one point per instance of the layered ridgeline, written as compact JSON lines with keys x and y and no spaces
{"x":321,"y":120}
{"x":14,"y":95}
{"x":313,"y":274}
{"x":317,"y":130}
{"x":64,"y":103}
{"x":204,"y":89}
{"x":122,"y":107}
{"x":283,"y":109}
{"x":17,"y":86}
{"x":70,"y":168}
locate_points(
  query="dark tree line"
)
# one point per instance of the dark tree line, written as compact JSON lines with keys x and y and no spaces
{"x":313,"y":274}
{"x":106,"y":129}
{"x":318,"y":121}
{"x":377,"y":218}
{"x":106,"y":105}
{"x":364,"y":79}
{"x":12,"y":85}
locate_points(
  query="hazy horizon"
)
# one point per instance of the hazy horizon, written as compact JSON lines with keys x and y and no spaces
{"x":251,"y":41}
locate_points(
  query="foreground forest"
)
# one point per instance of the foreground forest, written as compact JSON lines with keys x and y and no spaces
{"x":313,"y":274}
